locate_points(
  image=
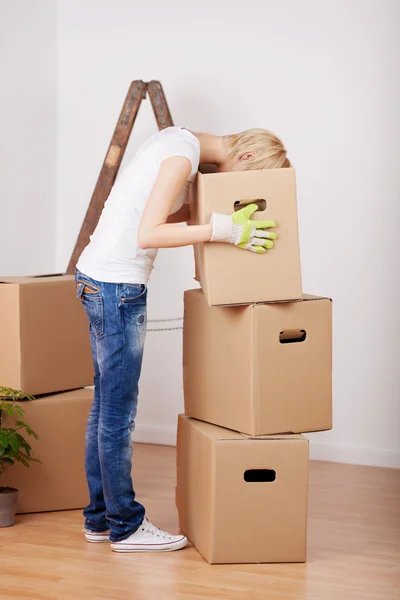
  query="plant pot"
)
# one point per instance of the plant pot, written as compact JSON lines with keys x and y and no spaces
{"x":8,"y":505}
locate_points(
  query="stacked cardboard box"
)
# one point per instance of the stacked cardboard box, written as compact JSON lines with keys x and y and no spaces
{"x":257,"y":374}
{"x":45,"y":351}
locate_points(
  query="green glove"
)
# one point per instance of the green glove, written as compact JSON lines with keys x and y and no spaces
{"x":240,"y":230}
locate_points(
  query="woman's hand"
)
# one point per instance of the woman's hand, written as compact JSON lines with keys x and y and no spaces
{"x":240,"y":230}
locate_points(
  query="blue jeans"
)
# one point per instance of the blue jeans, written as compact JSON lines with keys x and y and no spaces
{"x":117,"y":323}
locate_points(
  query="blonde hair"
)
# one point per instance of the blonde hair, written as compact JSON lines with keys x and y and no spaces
{"x":269,"y":151}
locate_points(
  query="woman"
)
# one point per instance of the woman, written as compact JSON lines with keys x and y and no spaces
{"x":111,"y":279}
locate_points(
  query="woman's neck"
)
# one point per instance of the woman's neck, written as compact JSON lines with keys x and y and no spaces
{"x":212,"y":149}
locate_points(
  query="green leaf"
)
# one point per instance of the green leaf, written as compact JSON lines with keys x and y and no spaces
{"x":26,"y":447}
{"x":30,"y":431}
{"x":15,"y":444}
{"x":4,"y":439}
{"x":14,"y":395}
{"x":24,"y":455}
{"x":22,"y":441}
{"x":9,"y":452}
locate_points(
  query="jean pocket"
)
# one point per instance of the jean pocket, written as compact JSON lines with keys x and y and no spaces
{"x":95,"y":312}
{"x":86,"y":288}
{"x":133,"y":293}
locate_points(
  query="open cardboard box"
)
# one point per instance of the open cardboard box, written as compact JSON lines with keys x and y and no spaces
{"x":230,"y":275}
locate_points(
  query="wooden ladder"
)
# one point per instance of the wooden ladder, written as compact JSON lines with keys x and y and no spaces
{"x":112,"y":162}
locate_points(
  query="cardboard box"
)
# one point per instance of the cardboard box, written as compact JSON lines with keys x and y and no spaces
{"x":59,"y":483}
{"x":259,"y":368}
{"x":241,"y":499}
{"x":45,"y":343}
{"x":230,"y":275}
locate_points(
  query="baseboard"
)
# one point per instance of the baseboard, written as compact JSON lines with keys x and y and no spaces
{"x":357,"y":455}
{"x":149,"y":434}
{"x":342,"y":453}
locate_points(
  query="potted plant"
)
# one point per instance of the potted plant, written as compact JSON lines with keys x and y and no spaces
{"x":14,"y":447}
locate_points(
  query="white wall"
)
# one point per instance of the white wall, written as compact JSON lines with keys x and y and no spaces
{"x":325,"y":77}
{"x":28,"y":123}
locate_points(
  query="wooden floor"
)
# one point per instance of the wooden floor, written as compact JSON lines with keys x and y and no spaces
{"x":353,"y":542}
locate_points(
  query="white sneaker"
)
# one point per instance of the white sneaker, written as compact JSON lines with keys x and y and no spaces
{"x":149,"y":538}
{"x":94,"y":536}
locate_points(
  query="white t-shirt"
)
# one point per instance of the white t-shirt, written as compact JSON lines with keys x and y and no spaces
{"x":113,"y":254}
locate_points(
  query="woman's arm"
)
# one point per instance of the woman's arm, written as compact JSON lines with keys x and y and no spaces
{"x":180,"y":216}
{"x":154,"y":232}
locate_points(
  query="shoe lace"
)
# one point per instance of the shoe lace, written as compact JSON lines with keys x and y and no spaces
{"x":148,"y":527}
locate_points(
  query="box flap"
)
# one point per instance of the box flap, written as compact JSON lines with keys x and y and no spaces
{"x":312,"y":297}
{"x":31,"y":279}
{"x":306,"y":298}
{"x":15,"y":280}
{"x":216,"y":433}
{"x":79,"y":394}
{"x":290,"y":437}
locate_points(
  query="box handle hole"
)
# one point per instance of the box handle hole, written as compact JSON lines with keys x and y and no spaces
{"x":292,"y":336}
{"x":261,"y":203}
{"x":259,"y":475}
